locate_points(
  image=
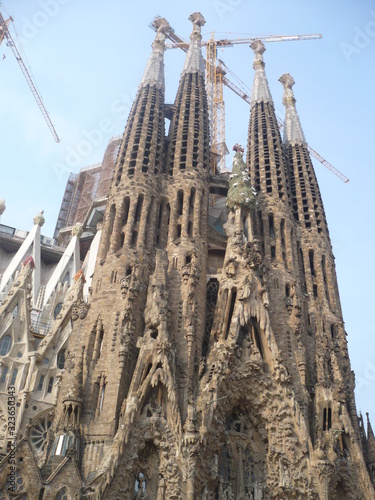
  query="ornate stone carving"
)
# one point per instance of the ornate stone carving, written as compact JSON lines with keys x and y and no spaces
{"x":39,"y":219}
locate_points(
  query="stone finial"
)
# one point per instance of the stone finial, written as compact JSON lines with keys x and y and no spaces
{"x":194,"y":61}
{"x":287,"y":82}
{"x":293,"y":133}
{"x":161,"y":25}
{"x":77,"y":230}
{"x":258,"y":49}
{"x":197,"y":19}
{"x":39,"y":219}
{"x":2,"y":206}
{"x":260,"y":91}
{"x":154,"y":73}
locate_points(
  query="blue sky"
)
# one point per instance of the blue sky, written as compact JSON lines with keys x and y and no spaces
{"x":88,"y":57}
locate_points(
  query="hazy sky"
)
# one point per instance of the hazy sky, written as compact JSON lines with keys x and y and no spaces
{"x":88,"y":57}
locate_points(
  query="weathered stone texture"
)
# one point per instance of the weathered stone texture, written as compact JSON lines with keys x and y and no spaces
{"x":203,"y":365}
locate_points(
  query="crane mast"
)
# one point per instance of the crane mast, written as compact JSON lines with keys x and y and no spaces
{"x":5,"y":33}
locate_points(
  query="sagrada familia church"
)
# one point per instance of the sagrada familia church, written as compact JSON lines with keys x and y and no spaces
{"x":164,"y":346}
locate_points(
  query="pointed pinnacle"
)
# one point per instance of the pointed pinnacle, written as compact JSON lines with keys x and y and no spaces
{"x":287,"y":82}
{"x":260,"y":91}
{"x":293,"y":133}
{"x":258,"y":49}
{"x":194,"y":60}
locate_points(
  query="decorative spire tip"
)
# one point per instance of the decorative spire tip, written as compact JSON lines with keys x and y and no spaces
{"x":259,"y":49}
{"x":160,"y":24}
{"x":197,"y":18}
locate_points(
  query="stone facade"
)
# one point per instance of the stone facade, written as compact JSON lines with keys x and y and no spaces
{"x":197,"y":365}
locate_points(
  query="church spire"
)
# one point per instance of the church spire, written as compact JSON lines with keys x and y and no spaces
{"x":370,"y":443}
{"x":194,"y":62}
{"x":154,"y":73}
{"x":260,"y":91}
{"x":293,"y":133}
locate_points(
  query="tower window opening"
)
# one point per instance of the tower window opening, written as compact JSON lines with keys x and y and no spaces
{"x":311,"y":260}
{"x":178,"y":230}
{"x":231,"y":310}
{"x":287,"y":290}
{"x":211,"y":299}
{"x":101,"y":400}
{"x":4,"y":374}
{"x":260,"y":225}
{"x":327,"y":419}
{"x":159,"y":224}
{"x":5,"y":345}
{"x":282,"y":232}
{"x":138,"y":209}
{"x":14,"y":376}
{"x":271,"y":226}
{"x":190,"y":229}
{"x":101,"y":341}
{"x":315,"y":290}
{"x":41,"y":382}
{"x":61,"y":359}
{"x":273,"y":252}
{"x":125,"y":208}
{"x":192,"y":201}
{"x":149,"y":210}
{"x":50,"y":385}
{"x":180,"y":202}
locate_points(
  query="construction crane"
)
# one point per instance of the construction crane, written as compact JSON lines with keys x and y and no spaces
{"x":216,"y":78}
{"x":5,"y":33}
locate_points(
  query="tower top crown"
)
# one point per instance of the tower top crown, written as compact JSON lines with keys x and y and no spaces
{"x":293,"y":133}
{"x":194,"y":60}
{"x":260,"y":91}
{"x":154,"y":73}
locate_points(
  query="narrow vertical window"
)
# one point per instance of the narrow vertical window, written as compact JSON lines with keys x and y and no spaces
{"x":4,"y":374}
{"x":231,"y":310}
{"x":14,"y":376}
{"x":50,"y":385}
{"x":271,"y":226}
{"x":138,"y":210}
{"x":311,"y":260}
{"x":41,"y":382}
{"x":329,"y":423}
{"x":180,"y":202}
{"x":125,"y":208}
{"x":101,"y":401}
{"x":192,"y":201}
